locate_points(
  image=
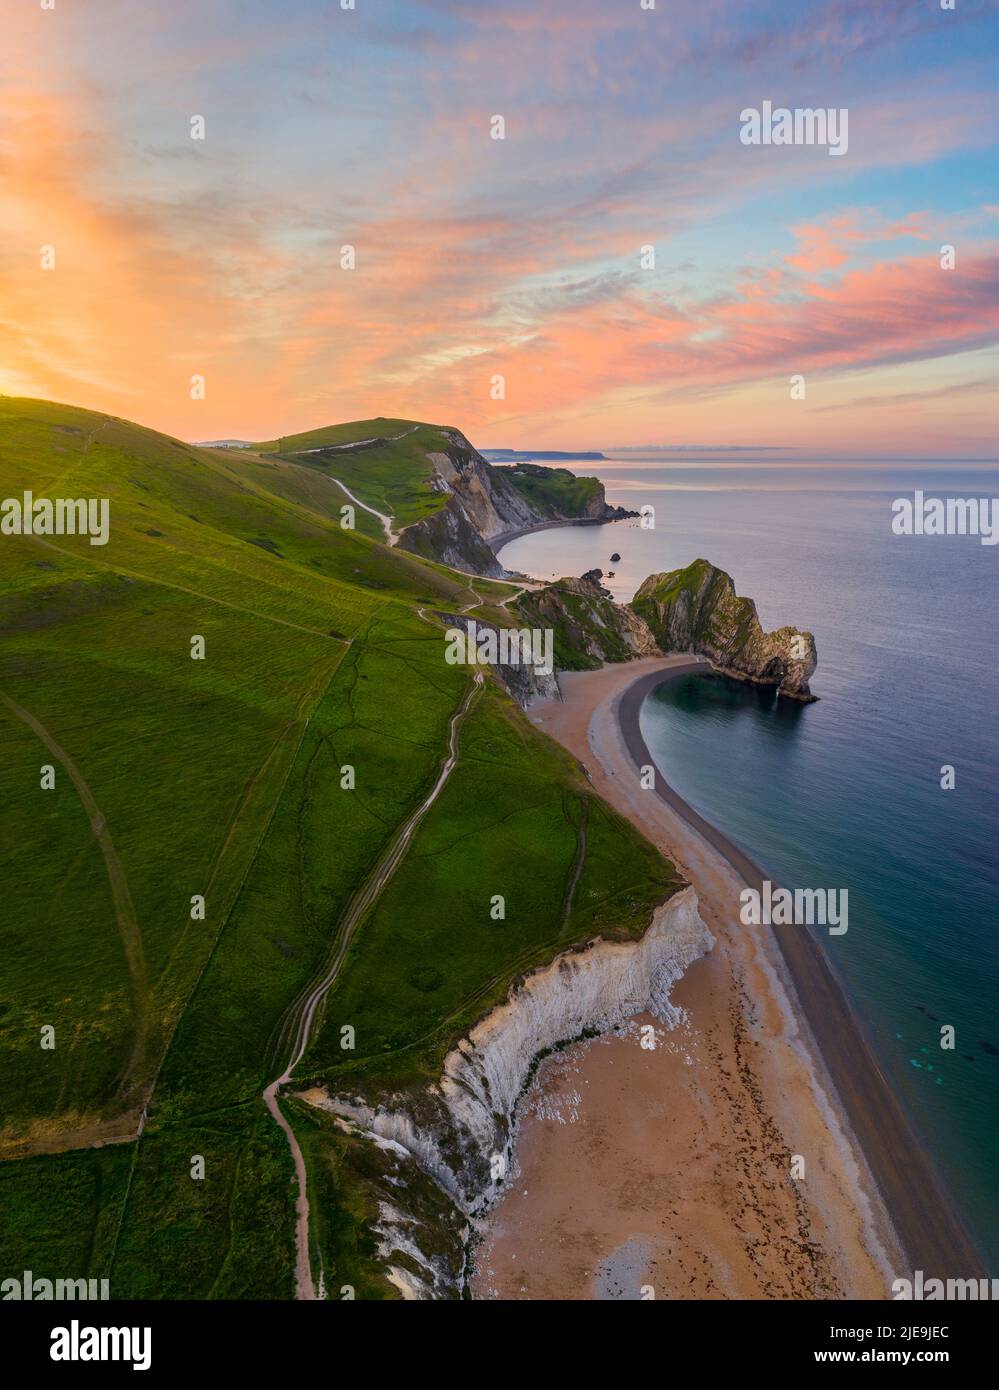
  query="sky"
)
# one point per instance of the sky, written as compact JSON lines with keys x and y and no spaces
{"x":500,"y":285}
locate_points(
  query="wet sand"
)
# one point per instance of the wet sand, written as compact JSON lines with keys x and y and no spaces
{"x":672,"y":1170}
{"x":633,"y":1177}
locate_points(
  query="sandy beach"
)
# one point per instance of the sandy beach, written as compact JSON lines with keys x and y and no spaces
{"x":670,"y":1169}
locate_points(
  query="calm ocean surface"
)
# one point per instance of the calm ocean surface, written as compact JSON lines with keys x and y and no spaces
{"x":846,"y":793}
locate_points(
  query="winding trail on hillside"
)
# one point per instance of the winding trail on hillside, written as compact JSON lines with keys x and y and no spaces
{"x":391,"y":534}
{"x":128,"y":923}
{"x":297,"y":1028}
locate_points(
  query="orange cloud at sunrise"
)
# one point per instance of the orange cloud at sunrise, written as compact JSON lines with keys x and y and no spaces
{"x":476,"y":258}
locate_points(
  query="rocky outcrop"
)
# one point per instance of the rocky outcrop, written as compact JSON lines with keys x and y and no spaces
{"x":691,"y":610}
{"x":416,"y":1234}
{"x":558,"y":495}
{"x":589,"y":627}
{"x":697,"y":610}
{"x":585,"y":625}
{"x":484,"y":506}
{"x":482,"y":503}
{"x":527,"y":681}
{"x":462,"y":1130}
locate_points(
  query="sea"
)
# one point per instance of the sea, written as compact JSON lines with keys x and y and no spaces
{"x":851,"y":792}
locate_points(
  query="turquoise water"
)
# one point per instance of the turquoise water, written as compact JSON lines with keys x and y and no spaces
{"x":846,"y":793}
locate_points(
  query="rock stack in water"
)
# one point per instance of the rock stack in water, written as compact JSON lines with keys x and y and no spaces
{"x":697,"y":610}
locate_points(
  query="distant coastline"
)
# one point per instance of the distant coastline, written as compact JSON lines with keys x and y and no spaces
{"x":546,"y":455}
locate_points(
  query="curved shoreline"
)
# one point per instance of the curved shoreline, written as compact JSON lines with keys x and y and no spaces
{"x":496,"y":543}
{"x":919,"y":1205}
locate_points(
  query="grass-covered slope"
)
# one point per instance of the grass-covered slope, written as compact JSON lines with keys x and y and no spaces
{"x":179,"y":779}
{"x":383,"y":462}
{"x":184,"y":759}
{"x":556,"y":492}
{"x":516,"y":819}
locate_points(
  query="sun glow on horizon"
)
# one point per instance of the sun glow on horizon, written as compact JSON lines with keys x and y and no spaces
{"x":134,"y":258}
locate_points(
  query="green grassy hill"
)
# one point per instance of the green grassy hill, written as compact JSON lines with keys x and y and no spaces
{"x":383,"y":462}
{"x":556,"y":492}
{"x":222,"y":778}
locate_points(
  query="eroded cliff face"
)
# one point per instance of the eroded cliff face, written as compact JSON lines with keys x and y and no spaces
{"x":697,"y":610}
{"x":487,"y":496}
{"x":462,"y":1130}
{"x":526,"y":681}
{"x":419,"y":1236}
{"x":483,"y":505}
{"x":589,"y":627}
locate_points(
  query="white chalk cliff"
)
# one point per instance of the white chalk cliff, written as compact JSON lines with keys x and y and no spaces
{"x":462,"y":1130}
